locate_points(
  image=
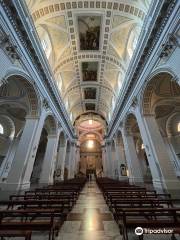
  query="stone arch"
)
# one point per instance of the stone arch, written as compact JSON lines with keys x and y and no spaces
{"x":119,"y":138}
{"x":62,"y":139}
{"x":26,"y":86}
{"x":153,"y":86}
{"x":8,"y":125}
{"x":50,"y":124}
{"x":171,"y":124}
{"x":99,"y":136}
{"x":129,"y":120}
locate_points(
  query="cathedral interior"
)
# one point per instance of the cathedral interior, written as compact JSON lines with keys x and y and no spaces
{"x":90,"y":119}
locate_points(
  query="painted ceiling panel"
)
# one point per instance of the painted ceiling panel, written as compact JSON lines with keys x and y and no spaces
{"x":89,"y":45}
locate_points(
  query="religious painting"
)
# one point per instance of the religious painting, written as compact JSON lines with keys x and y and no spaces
{"x":90,"y":107}
{"x":89,"y":71}
{"x":89,"y":32}
{"x":90,"y":93}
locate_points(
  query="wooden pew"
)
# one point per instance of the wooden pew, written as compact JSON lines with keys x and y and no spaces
{"x":64,"y":205}
{"x":69,"y":197}
{"x":149,"y":218}
{"x":47,"y":203}
{"x":111,"y":199}
{"x":48,"y":220}
{"x":15,"y":233}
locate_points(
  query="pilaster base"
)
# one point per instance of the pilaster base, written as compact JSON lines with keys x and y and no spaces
{"x":123,"y":178}
{"x":168,"y":186}
{"x":14,"y":186}
{"x":136,"y":180}
{"x":8,"y":189}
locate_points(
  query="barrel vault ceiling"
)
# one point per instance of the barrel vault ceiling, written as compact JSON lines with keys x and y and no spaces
{"x":89,"y":45}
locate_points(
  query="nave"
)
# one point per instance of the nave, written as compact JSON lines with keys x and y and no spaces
{"x":90,"y":218}
{"x":89,"y":209}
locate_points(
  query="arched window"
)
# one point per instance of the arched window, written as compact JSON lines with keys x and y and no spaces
{"x":113,"y":103}
{"x":71,"y":116}
{"x":178,"y":127}
{"x":44,"y":45}
{"x":1,"y":129}
{"x":66,"y":104}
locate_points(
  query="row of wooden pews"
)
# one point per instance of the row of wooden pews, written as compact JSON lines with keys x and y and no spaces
{"x":40,"y":210}
{"x":133,"y":206}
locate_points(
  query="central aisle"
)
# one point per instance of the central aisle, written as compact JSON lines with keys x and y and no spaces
{"x":90,"y":218}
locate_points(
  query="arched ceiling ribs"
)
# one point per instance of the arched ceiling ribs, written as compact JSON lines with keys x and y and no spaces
{"x":76,"y":86}
{"x":130,"y":32}
{"x":45,"y":18}
{"x":55,"y":27}
{"x":61,"y":52}
{"x":69,"y":85}
{"x":76,"y":104}
{"x":94,"y":57}
{"x":63,"y":19}
{"x":49,"y":35}
{"x":83,"y":135}
{"x":123,"y":25}
{"x":71,"y":89}
{"x":104,"y":105}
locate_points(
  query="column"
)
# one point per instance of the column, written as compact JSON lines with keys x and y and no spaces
{"x":120,"y":160}
{"x":104,"y":163}
{"x":134,"y":168}
{"x":34,"y":147}
{"x":77,"y":160}
{"x":67,"y":158}
{"x":61,"y":155}
{"x":173,"y":145}
{"x":48,"y":164}
{"x":166,"y":177}
{"x":113,"y":161}
{"x":16,"y":174}
{"x":109,"y":160}
{"x":72,"y":158}
{"x":6,"y":165}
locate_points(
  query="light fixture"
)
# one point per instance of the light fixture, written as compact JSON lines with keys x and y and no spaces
{"x":90,"y":122}
{"x":90,"y":143}
{"x":142,"y":146}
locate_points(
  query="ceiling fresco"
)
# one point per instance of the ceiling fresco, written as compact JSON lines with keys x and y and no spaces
{"x":89,"y":71}
{"x":89,"y":45}
{"x":89,"y":32}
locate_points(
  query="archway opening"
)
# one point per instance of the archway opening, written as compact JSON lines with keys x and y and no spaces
{"x":18,"y":101}
{"x":132,"y":130}
{"x":91,"y":130}
{"x":161,"y":100}
{"x":123,"y":167}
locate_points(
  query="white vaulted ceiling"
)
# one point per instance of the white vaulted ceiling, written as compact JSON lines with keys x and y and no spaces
{"x":59,"y":22}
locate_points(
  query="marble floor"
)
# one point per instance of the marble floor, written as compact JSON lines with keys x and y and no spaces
{"x":90,"y":218}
